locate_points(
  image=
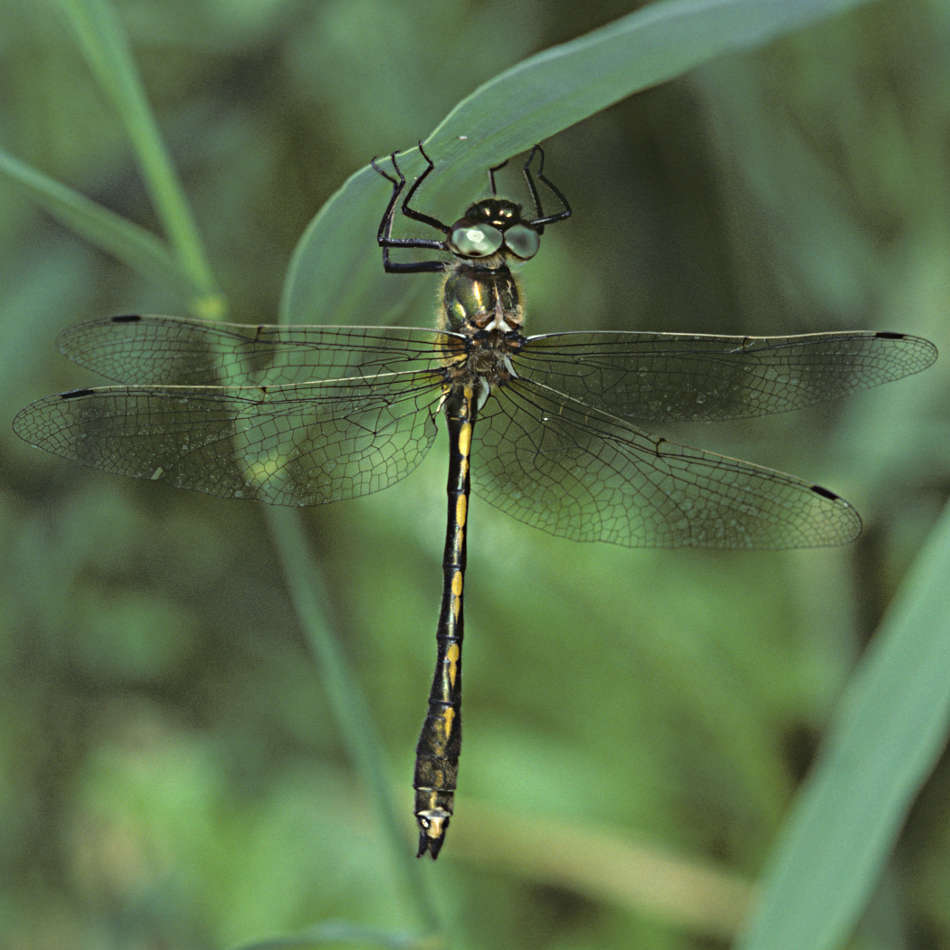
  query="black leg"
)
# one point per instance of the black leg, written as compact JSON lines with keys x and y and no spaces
{"x":543,"y":219}
{"x":386,"y":223}
{"x":384,"y":236}
{"x":419,"y":215}
{"x":529,"y":180}
{"x":491,"y":175}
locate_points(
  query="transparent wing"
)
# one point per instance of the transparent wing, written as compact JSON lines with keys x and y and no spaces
{"x":180,"y":351}
{"x":286,"y":445}
{"x":663,"y":377}
{"x":580,"y":473}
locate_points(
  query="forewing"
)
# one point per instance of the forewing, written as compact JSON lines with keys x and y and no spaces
{"x":580,"y":473}
{"x":285,"y":445}
{"x":663,"y":377}
{"x":180,"y":351}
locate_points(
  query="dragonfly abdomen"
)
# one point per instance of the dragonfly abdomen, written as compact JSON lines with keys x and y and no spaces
{"x":440,"y":741}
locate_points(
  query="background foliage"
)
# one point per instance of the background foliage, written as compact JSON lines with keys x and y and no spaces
{"x":637,"y":722}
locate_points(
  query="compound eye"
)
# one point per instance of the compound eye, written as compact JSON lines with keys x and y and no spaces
{"x":480,"y":240}
{"x":522,"y":241}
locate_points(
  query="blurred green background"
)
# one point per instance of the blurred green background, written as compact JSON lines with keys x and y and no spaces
{"x":637,"y":722}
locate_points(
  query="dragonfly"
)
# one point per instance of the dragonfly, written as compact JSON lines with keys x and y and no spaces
{"x":310,"y":414}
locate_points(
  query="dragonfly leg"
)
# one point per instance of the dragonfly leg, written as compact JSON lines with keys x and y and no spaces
{"x":384,"y":236}
{"x":543,"y":219}
{"x":491,"y":175}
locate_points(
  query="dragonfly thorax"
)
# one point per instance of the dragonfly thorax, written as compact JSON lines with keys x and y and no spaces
{"x":485,"y":363}
{"x":476,"y":297}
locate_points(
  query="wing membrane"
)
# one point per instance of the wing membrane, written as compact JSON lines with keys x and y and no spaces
{"x":580,"y":473}
{"x":663,"y":377}
{"x":286,"y":445}
{"x":181,"y":351}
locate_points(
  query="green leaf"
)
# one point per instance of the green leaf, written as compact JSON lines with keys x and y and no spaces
{"x":115,"y":235}
{"x":335,"y":274}
{"x":887,"y":736}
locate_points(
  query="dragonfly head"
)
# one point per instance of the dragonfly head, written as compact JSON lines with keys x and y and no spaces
{"x":433,"y":824}
{"x":494,"y":226}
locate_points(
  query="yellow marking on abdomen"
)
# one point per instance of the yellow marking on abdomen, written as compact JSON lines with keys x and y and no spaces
{"x":448,"y":717}
{"x":461,"y":510}
{"x":452,"y":658}
{"x":456,"y":595}
{"x":465,"y":439}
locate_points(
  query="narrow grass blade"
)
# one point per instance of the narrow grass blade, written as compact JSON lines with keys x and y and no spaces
{"x":129,"y":243}
{"x":104,"y":45}
{"x":343,"y":934}
{"x":886,"y":738}
{"x":350,"y":708}
{"x":563,"y":85}
{"x":605,"y":865}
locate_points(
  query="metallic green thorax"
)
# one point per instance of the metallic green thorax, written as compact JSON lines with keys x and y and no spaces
{"x":478,"y":296}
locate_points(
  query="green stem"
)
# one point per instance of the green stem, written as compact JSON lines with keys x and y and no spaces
{"x":105,"y":47}
{"x":133,"y":245}
{"x":349,"y":705}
